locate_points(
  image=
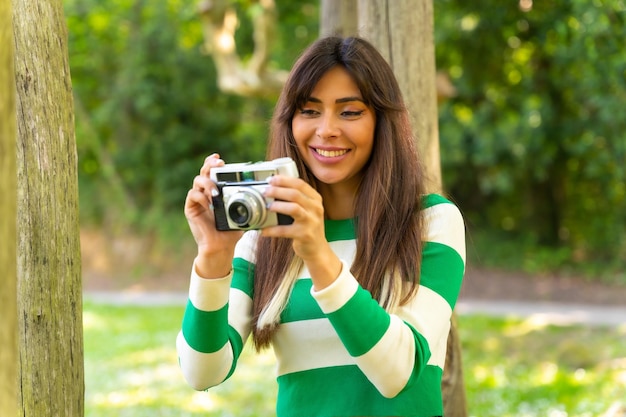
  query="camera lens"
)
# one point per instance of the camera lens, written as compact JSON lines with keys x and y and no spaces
{"x":239,"y":213}
{"x":246,"y":208}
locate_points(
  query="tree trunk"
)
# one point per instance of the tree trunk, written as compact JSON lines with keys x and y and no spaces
{"x":8,"y":195}
{"x":50,"y":337}
{"x":403,"y":31}
{"x":338,"y":18}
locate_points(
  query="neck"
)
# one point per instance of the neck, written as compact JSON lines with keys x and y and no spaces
{"x":338,"y":201}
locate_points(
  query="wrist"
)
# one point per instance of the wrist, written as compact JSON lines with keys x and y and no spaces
{"x":213,"y":265}
{"x":324,"y":270}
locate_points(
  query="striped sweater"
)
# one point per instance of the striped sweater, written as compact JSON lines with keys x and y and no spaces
{"x":338,"y":352}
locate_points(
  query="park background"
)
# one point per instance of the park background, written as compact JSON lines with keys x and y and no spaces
{"x":533,"y":150}
{"x":533,"y":143}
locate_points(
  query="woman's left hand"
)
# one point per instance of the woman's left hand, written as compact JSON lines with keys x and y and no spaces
{"x":295,"y":198}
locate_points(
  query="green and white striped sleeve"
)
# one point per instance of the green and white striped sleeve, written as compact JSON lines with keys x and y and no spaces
{"x":216,"y":322}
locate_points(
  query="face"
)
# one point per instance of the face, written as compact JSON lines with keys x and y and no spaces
{"x":334,"y":130}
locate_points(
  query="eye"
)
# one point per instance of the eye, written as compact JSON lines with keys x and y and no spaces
{"x":308,"y":112}
{"x":350,"y":114}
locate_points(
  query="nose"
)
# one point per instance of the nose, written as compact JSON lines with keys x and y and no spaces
{"x":328,"y":127}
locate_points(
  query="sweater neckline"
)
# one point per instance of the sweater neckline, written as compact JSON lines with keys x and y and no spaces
{"x":343,"y":229}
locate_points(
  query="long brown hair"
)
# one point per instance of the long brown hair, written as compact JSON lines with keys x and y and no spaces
{"x":387,"y":204}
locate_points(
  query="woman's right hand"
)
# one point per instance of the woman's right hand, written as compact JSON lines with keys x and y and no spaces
{"x":215,"y":248}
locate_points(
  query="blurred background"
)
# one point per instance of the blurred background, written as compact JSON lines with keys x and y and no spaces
{"x":533,"y":137}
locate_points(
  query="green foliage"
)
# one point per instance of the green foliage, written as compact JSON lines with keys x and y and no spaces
{"x":534,"y":144}
{"x":512,"y":368}
{"x":148,"y":110}
{"x":505,"y":251}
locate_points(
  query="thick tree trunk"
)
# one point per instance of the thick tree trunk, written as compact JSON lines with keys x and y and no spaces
{"x":8,"y":194}
{"x":50,"y":337}
{"x":338,"y":18}
{"x":453,"y":385}
{"x":403,"y":31}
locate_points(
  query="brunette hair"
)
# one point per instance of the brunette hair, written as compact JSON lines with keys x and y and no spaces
{"x":387,"y":204}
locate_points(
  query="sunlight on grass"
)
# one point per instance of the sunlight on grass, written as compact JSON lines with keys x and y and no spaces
{"x":530,"y":368}
{"x":131,"y":369}
{"x":512,"y":367}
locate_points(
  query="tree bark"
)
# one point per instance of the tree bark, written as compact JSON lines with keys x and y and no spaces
{"x":50,"y":337}
{"x":403,"y":30}
{"x":8,"y":237}
{"x":338,"y":18}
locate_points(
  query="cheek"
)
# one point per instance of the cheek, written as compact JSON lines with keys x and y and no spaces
{"x":366,"y":138}
{"x":366,"y":132}
{"x":302,"y":132}
{"x":297,"y":128}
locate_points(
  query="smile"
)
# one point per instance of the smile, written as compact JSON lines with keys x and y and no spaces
{"x":330,"y":154}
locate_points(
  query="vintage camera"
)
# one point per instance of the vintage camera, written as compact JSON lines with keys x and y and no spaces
{"x":240,"y":204}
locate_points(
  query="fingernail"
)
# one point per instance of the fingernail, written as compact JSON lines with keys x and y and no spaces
{"x":214,"y":192}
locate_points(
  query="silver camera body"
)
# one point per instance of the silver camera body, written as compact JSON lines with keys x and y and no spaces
{"x":240,"y":204}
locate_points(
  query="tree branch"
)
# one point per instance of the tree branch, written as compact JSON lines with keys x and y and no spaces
{"x":253,"y":78}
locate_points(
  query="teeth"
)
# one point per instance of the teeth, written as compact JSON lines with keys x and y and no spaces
{"x":331,"y":154}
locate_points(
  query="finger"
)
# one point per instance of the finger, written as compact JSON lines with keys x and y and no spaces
{"x":295,"y":183}
{"x":205,"y":185}
{"x":285,"y":194}
{"x":196,"y":199}
{"x":277,"y":231}
{"x":211,"y":161}
{"x":290,"y":209}
{"x":214,"y":155}
{"x":296,"y":198}
{"x":309,"y":215}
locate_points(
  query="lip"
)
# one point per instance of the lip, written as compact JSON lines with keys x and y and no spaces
{"x":329,"y":159}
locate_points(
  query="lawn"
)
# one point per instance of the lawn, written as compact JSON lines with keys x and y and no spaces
{"x":513,"y":367}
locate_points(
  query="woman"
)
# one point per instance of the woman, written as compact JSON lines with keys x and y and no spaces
{"x":355,"y":296}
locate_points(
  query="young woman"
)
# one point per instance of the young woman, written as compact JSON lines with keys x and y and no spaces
{"x":355,"y":296}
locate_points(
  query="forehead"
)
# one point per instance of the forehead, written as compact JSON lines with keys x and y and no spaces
{"x":336,"y":83}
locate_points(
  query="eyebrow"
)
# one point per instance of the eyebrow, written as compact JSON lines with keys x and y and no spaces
{"x":339,"y":100}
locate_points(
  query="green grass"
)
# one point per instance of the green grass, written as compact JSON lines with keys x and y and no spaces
{"x":522,"y":368}
{"x":512,"y":368}
{"x":131,"y":369}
